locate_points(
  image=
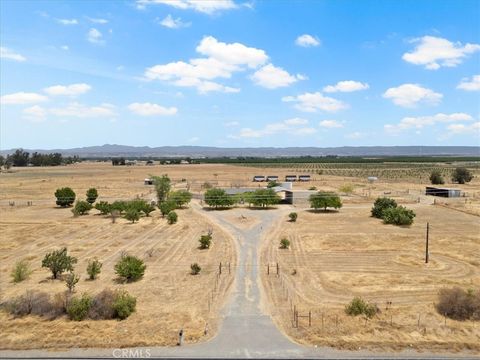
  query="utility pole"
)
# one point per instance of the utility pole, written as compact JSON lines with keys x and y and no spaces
{"x":426,"y":244}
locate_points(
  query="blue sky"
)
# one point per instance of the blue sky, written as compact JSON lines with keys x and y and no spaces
{"x":239,"y":73}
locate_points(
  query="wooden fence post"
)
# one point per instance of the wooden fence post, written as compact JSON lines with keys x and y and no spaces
{"x":268,"y":269}
{"x":278,"y":269}
{"x":310,"y":318}
{"x":220,"y":268}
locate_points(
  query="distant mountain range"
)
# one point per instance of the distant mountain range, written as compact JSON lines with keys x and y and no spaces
{"x":107,"y":150}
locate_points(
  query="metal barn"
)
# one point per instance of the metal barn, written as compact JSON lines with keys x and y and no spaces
{"x":442,"y":192}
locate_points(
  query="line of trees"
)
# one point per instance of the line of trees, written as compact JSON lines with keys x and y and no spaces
{"x":24,"y":158}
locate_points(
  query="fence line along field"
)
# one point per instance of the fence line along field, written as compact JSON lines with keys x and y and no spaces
{"x":168,"y":297}
{"x":334,"y":257}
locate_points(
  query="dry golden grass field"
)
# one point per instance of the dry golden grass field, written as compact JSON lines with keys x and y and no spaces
{"x":336,"y":256}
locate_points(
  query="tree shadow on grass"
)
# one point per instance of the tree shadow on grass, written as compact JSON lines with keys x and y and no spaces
{"x":322,"y":211}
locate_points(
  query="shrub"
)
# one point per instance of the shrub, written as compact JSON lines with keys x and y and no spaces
{"x":358,"y":307}
{"x":380,"y":205}
{"x":172,"y":217}
{"x":147,"y":209}
{"x":21,"y":271}
{"x":130,"y":268}
{"x":123,"y":305}
{"x":180,"y":197}
{"x":132,"y":215}
{"x":436,"y":178}
{"x":102,"y":306}
{"x":162,"y":187}
{"x":205,"y":241}
{"x":71,"y":281}
{"x":81,"y":208}
{"x":31,"y":303}
{"x":263,"y":197}
{"x":65,"y":196}
{"x":346,"y":189}
{"x":167,"y":206}
{"x":293,"y":216}
{"x":195,"y":269}
{"x":462,"y":175}
{"x":104,"y":207}
{"x":119,"y":206}
{"x":93,"y":268}
{"x":58,"y":262}
{"x":459,"y":304}
{"x":284,"y":243}
{"x":77,"y":308}
{"x":92,"y":195}
{"x":324,"y":199}
{"x":398,"y":216}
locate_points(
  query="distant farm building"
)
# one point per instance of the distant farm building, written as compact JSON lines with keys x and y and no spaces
{"x":442,"y":192}
{"x":272,"y":178}
{"x":289,"y":178}
{"x":304,"y":178}
{"x":149,"y":162}
{"x":372,"y":179}
{"x":148,"y":182}
{"x":258,"y":178}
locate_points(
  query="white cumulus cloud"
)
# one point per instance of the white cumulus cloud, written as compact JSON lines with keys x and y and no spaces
{"x":149,"y":109}
{"x":67,"y":90}
{"x":172,"y":23}
{"x":470,"y":85}
{"x":221,"y":62}
{"x":295,"y":126}
{"x":35,"y":113}
{"x":346,"y":86}
{"x":95,"y":37}
{"x":22,"y":98}
{"x":98,"y":20}
{"x":420,"y":122}
{"x":307,"y":40}
{"x":462,"y":128}
{"x":409,"y":95}
{"x":204,"y":6}
{"x":435,"y":52}
{"x":272,"y":77}
{"x":312,"y":102}
{"x":6,"y":53}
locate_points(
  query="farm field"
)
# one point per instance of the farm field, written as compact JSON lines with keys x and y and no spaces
{"x":168,"y":297}
{"x":336,"y":256}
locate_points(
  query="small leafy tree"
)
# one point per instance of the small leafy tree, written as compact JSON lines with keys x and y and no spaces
{"x":78,"y":307}
{"x":462,"y":175}
{"x":272,"y":184}
{"x":58,"y":262}
{"x":205,"y":241}
{"x":130,"y":268}
{"x":123,"y":305}
{"x":132,"y":215}
{"x":162,"y":187}
{"x":104,"y":207}
{"x":263,"y":198}
{"x":398,"y":216}
{"x":436,"y":177}
{"x":284,"y":243}
{"x":324,"y":200}
{"x":380,"y":205}
{"x":119,"y":205}
{"x":172,"y":217}
{"x":92,"y":195}
{"x":167,"y":206}
{"x":65,"y":196}
{"x":358,"y":306}
{"x":346,"y":189}
{"x":21,"y":271}
{"x":71,"y":281}
{"x":81,"y":208}
{"x":147,"y":209}
{"x":180,"y":197}
{"x":195,"y":269}
{"x":94,"y":268}
{"x":218,"y":198}
{"x":293,"y":216}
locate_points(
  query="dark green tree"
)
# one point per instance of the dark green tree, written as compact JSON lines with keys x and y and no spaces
{"x":162,"y":187}
{"x":130,"y":268}
{"x":132,"y":215}
{"x":92,"y":195}
{"x":382,"y":204}
{"x":65,"y":196}
{"x":462,"y":175}
{"x":436,"y":178}
{"x":19,"y":158}
{"x":180,"y":197}
{"x":166,"y":207}
{"x":58,"y":262}
{"x":218,"y":198}
{"x":324,"y":199}
{"x":81,"y":208}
